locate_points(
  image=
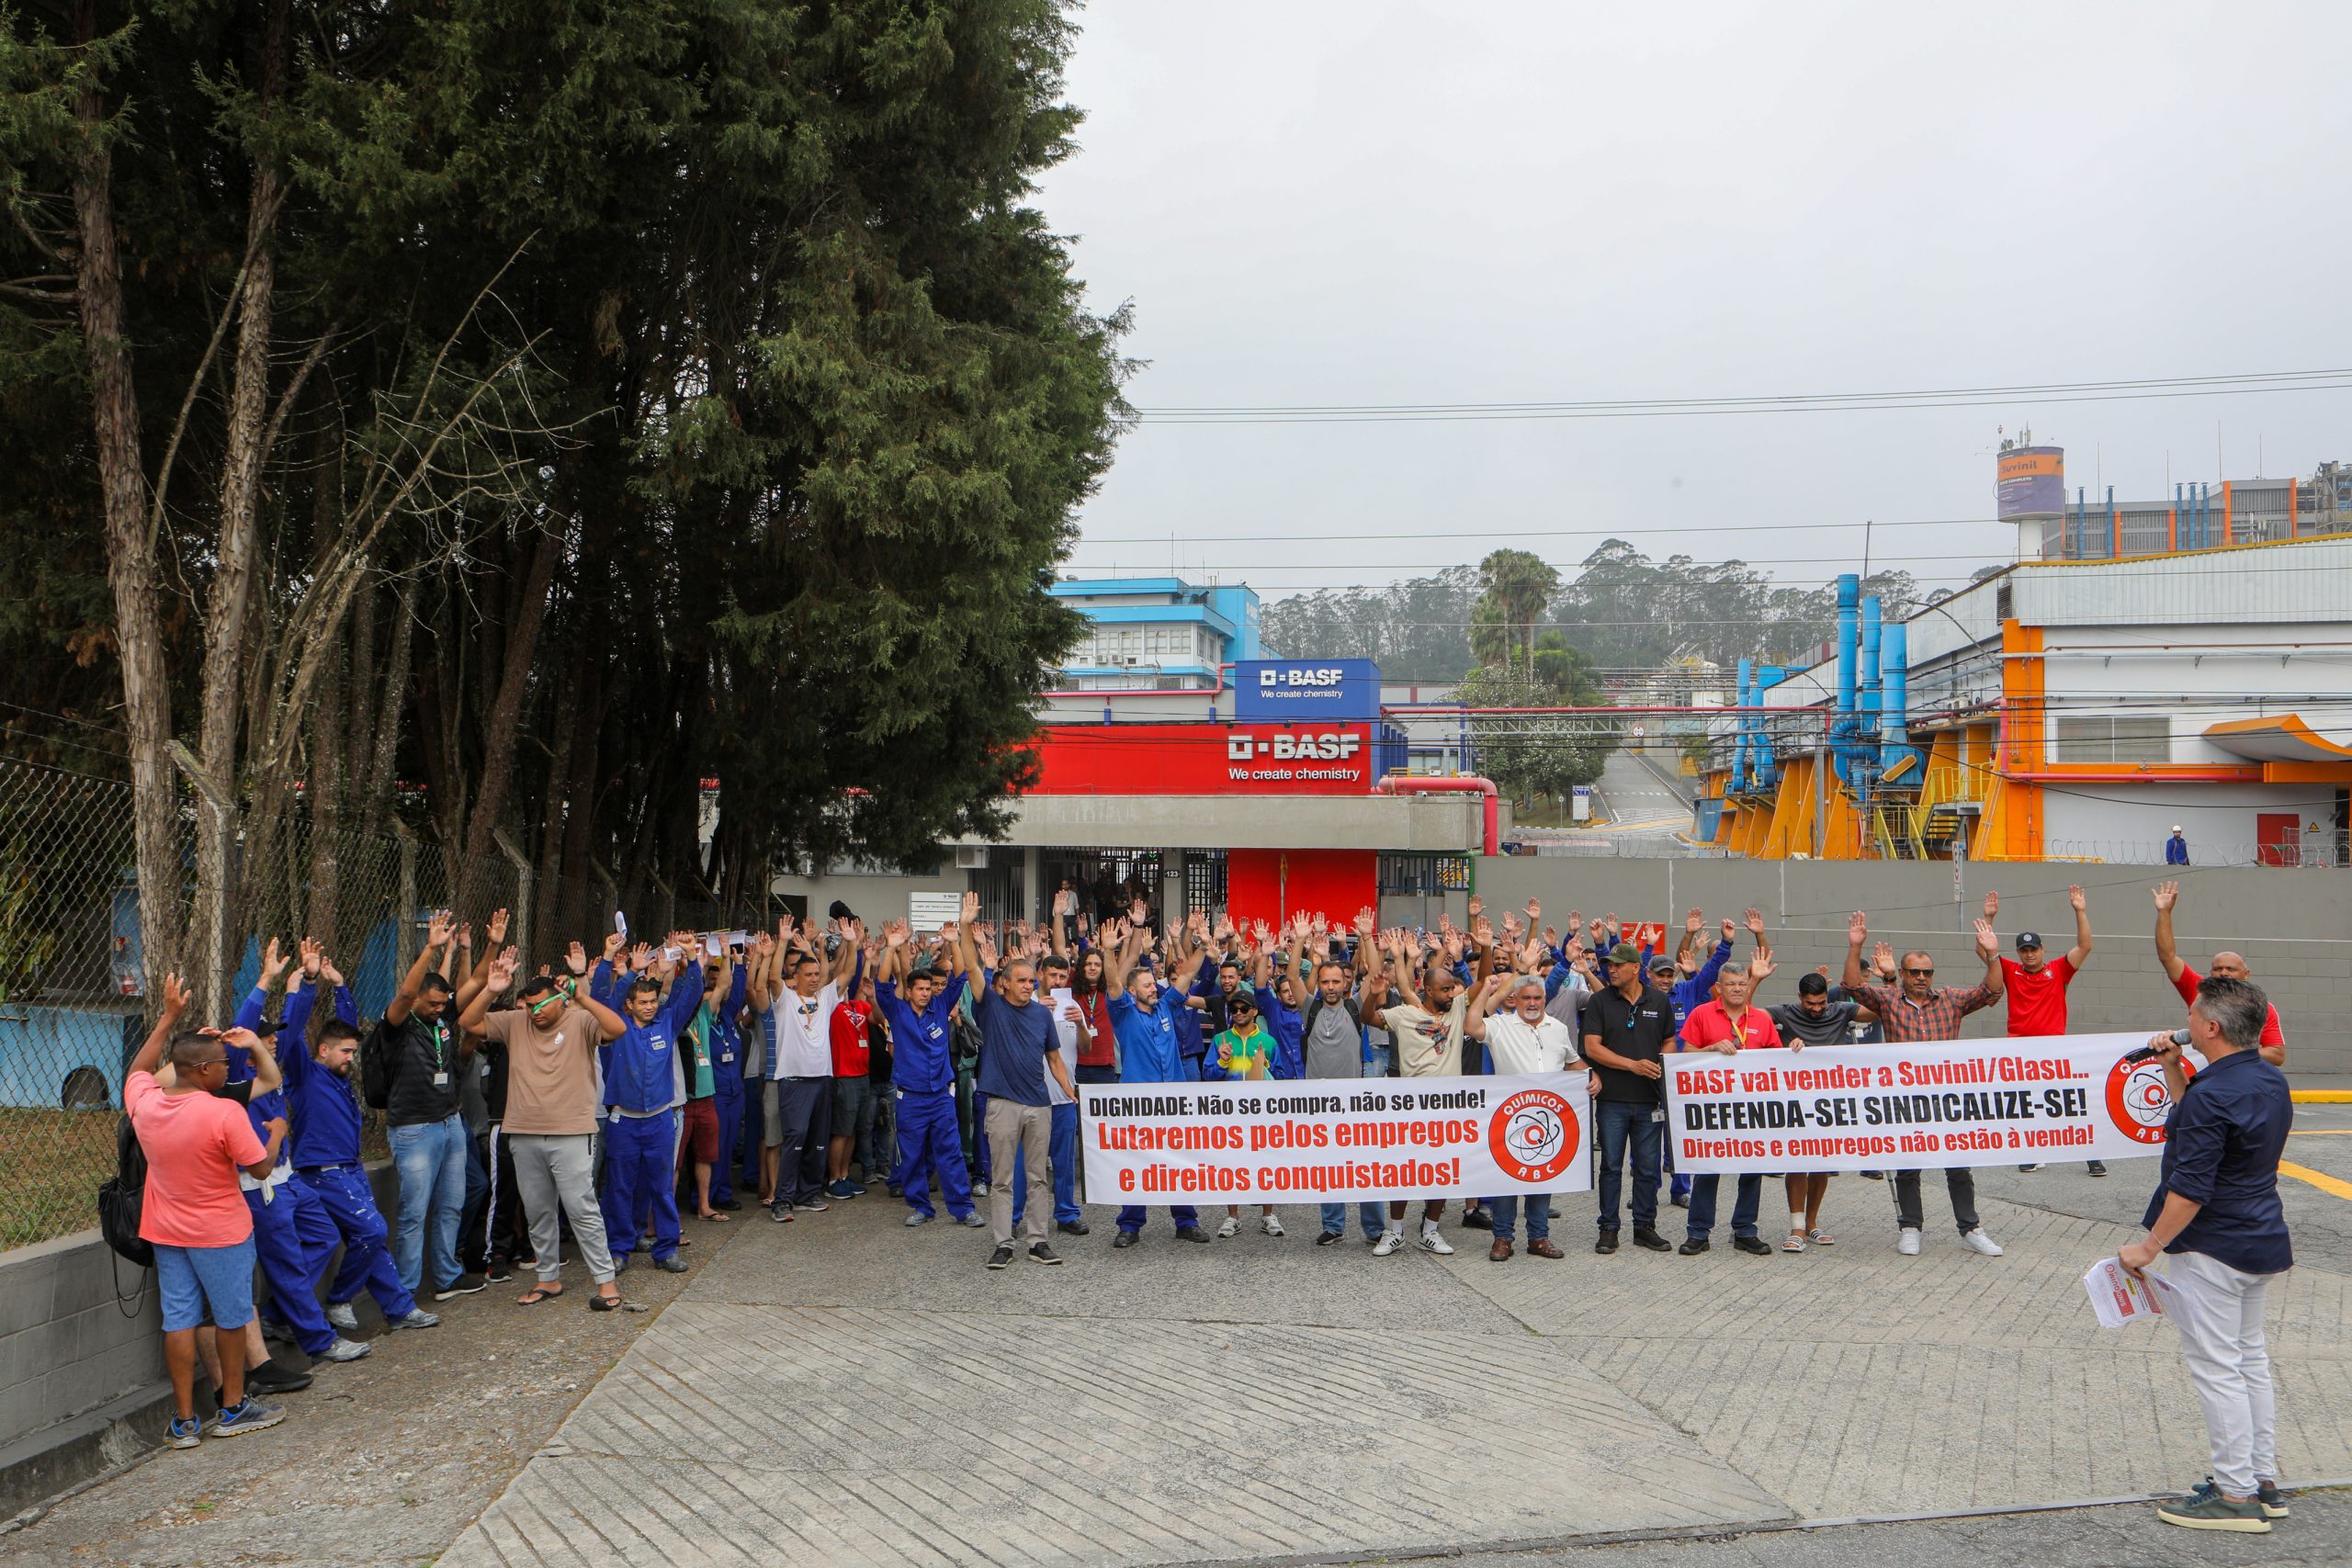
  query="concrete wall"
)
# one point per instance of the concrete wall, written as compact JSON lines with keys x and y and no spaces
{"x":2295,"y":927}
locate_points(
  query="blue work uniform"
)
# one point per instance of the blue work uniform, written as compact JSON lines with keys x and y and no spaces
{"x":923,"y":1072}
{"x":325,"y":1144}
{"x":644,"y":1084}
{"x":1150,"y":1051}
{"x":1288,"y":1027}
{"x":726,"y":1083}
{"x":292,"y":1236}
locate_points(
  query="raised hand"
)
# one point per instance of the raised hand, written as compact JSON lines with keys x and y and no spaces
{"x":1694,"y":922}
{"x":2167,"y":894}
{"x":312,"y":956}
{"x":1992,"y":905}
{"x":466,"y":935}
{"x":1550,"y":936}
{"x":1754,"y":922}
{"x":1366,"y":919}
{"x":1729,"y":930}
{"x":1534,"y":912}
{"x":502,"y":968}
{"x":613,"y":941}
{"x":895,"y":934}
{"x":575,"y":959}
{"x":1986,"y":942}
{"x":2074,"y":897}
{"x":1224,"y":929}
{"x":177,"y":999}
{"x":328,"y":971}
{"x":1760,"y":968}
{"x":1139,"y":912}
{"x":273,"y":964}
{"x":1858,"y":928}
{"x":436,"y":929}
{"x":1576,"y":921}
{"x":641,"y":957}
{"x":784,"y":928}
{"x":1881,"y":958}
{"x":1482,"y":931}
{"x":1476,"y":906}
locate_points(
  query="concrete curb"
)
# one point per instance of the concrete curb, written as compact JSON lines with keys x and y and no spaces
{"x":2321,"y":1096}
{"x":58,"y":1460}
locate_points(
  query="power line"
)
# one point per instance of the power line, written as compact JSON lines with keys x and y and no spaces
{"x":1611,"y":532}
{"x":1780,"y":403}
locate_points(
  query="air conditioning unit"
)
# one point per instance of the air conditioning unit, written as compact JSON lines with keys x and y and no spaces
{"x":972,"y":857}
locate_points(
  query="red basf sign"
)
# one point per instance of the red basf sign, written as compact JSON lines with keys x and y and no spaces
{"x":1205,"y":758}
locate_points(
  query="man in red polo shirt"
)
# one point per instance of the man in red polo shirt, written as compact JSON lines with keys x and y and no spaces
{"x":2227,"y":966}
{"x":1730,"y":1025}
{"x":2036,"y":986}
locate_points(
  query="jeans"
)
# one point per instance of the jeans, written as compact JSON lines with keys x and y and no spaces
{"x":801,"y":1107}
{"x":1747,"y":1198}
{"x":1504,"y":1211}
{"x":1959,"y":1181}
{"x":431,"y":1158}
{"x":1372,"y":1217}
{"x":1375,"y":1061}
{"x":1131,"y":1217}
{"x":2220,"y":1334}
{"x":1623,"y":1123}
{"x":473,"y":1231}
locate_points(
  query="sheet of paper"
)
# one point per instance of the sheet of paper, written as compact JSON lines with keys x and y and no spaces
{"x":1057,"y":998}
{"x":2118,"y":1298}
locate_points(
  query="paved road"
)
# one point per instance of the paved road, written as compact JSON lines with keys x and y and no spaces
{"x":1641,"y":795}
{"x":844,"y":1390}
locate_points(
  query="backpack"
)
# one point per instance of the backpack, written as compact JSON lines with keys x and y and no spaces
{"x":375,"y":1069}
{"x":1315,"y":1006}
{"x":122,"y":1199}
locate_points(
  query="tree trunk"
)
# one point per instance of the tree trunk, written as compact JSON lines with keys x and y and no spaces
{"x":374,"y":784}
{"x":132,"y":573}
{"x":500,"y":725}
{"x":229,"y":610}
{"x":326,"y":779}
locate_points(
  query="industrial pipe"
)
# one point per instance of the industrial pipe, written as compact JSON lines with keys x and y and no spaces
{"x":1409,"y":783}
{"x":1743,"y":730}
{"x":1763,"y":765}
{"x":1849,"y":594}
{"x":1894,"y":724}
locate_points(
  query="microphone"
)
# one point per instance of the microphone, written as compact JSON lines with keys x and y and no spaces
{"x":2149,"y":1053}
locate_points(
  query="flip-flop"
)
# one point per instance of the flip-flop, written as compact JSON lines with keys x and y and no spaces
{"x":714,"y":1217}
{"x":536,"y":1294}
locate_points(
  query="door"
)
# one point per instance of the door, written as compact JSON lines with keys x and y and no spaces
{"x":2277,"y":838}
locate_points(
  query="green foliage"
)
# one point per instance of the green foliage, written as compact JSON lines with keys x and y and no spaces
{"x":1530,"y":756}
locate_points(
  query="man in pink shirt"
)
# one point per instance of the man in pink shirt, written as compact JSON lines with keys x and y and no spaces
{"x":193,"y":1211}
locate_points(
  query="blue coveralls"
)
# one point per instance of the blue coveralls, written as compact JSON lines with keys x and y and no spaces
{"x":1151,"y":1049}
{"x":326,"y":1142}
{"x":727,"y":1085}
{"x":644,"y":1073}
{"x":923,"y":1073}
{"x":292,"y":1236}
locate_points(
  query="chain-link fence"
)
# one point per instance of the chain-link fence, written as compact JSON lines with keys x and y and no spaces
{"x":73,"y":1010}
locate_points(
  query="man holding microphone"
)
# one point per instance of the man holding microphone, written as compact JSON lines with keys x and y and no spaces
{"x":2216,"y":1210}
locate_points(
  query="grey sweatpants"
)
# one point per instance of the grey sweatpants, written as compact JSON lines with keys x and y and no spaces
{"x":560,"y":1168}
{"x":1029,"y":1129}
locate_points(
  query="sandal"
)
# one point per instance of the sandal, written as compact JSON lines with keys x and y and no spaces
{"x":603,"y":1303}
{"x":1795,"y":1241}
{"x":538,"y":1293}
{"x":1823,"y":1238}
{"x":714,"y":1217}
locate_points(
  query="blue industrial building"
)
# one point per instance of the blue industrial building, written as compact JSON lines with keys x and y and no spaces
{"x":1158,"y":633}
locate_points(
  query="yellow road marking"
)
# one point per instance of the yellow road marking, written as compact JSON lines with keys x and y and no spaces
{"x":2321,"y":1096}
{"x":2319,"y":1178}
{"x":2322,"y":1132}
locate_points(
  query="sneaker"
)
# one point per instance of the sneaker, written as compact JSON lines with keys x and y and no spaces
{"x":2273,"y":1501}
{"x":780,"y":1212}
{"x":915,"y":1217}
{"x":1649,"y":1240}
{"x":1074,"y":1227}
{"x":271,"y":1378}
{"x":980,"y":1188}
{"x":417,"y":1318}
{"x":184,"y":1433}
{"x":972,"y":1220}
{"x":2035,"y":1166}
{"x":857,"y":1188}
{"x":1124,"y":1238}
{"x":1756,"y":1245}
{"x":1330,"y":1238}
{"x":1477,"y":1220}
{"x":674,"y":1264}
{"x":1041,"y":1253}
{"x":2098,"y":1167}
{"x":1271,"y":1225}
{"x":729,"y":1205}
{"x":813,"y":1205}
{"x":1984,"y":1246}
{"x":500,"y":1270}
{"x":1694,"y":1246}
{"x":463,"y":1285}
{"x":1908,"y":1243}
{"x":1873,"y":1176}
{"x":277,"y":1329}
{"x":840,"y":1190}
{"x":895,"y":1191}
{"x":1607,"y":1243}
{"x":253,"y":1416}
{"x":1433,"y":1242}
{"x":1191,"y":1232}
{"x":345,"y":1350}
{"x":1389,"y":1242}
{"x":1001,"y":1258}
{"x":2207,"y":1510}
{"x":1227,"y":1231}
{"x":340,"y":1315}
{"x":1679,"y":1201}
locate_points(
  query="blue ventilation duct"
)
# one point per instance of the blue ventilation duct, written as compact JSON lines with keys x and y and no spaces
{"x":1841,"y":729}
{"x":1762,"y":761}
{"x":1899,"y":761}
{"x":1865,"y":736}
{"x":1745,"y":727}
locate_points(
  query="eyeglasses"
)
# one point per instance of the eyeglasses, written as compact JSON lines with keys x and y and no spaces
{"x":209,"y":1061}
{"x":1923,"y":973}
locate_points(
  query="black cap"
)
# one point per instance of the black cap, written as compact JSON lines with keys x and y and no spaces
{"x":2029,"y":939}
{"x":1241,"y":999}
{"x":840,"y":911}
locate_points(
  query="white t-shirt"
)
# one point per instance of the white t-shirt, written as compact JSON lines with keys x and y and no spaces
{"x":800,"y":1034}
{"x":1518,"y":1047}
{"x":1067,"y":1033}
{"x":1429,"y":1044}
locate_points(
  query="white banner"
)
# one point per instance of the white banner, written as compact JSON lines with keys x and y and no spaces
{"x":1900,"y":1106}
{"x":1318,"y":1140}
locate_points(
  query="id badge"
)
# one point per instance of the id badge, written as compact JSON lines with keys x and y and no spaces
{"x":440,"y":1080}
{"x":727,"y":1055}
{"x":1657,"y":1112}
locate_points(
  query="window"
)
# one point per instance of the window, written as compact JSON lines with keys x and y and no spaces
{"x":2108,"y":737}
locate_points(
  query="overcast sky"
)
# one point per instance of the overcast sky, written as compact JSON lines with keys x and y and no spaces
{"x":1379,"y":202}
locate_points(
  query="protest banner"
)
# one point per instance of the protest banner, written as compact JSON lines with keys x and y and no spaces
{"x":1919,"y":1106}
{"x":1317,"y":1140}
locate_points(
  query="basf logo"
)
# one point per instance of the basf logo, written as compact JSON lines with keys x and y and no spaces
{"x":1313,"y":689}
{"x":1281,"y":758}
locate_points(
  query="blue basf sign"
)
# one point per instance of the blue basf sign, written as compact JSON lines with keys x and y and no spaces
{"x":1306,"y":688}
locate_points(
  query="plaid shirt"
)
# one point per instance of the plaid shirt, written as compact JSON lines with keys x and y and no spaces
{"x":1906,"y":1021}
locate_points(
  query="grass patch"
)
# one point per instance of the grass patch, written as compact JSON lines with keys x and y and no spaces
{"x":50,"y":1165}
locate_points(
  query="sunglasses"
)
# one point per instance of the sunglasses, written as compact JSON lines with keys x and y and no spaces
{"x":1923,"y":973}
